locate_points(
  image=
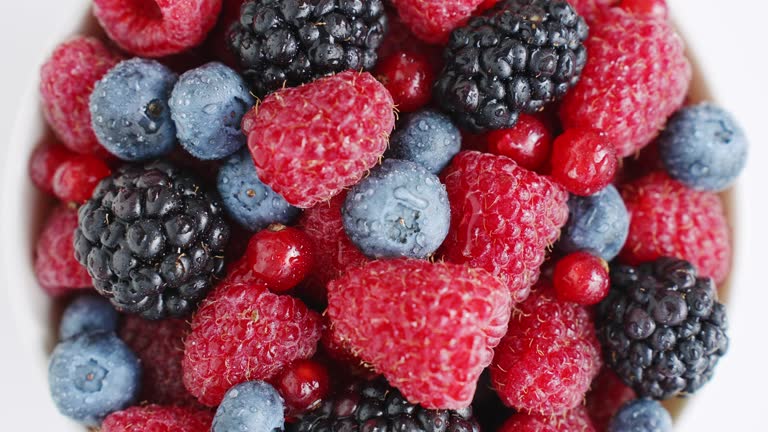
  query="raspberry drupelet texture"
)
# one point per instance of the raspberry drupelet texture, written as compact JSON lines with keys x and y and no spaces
{"x":157,"y":28}
{"x":575,"y":420}
{"x":311,"y":142}
{"x":549,"y":356}
{"x":76,"y":178}
{"x":433,"y":20}
{"x":56,"y":268}
{"x":528,"y":143}
{"x":44,"y":162}
{"x":289,"y":43}
{"x":503,"y":218}
{"x":156,"y":418}
{"x":668,"y":219}
{"x":435,"y":325}
{"x":243,"y":333}
{"x":66,"y":81}
{"x":636,"y":77}
{"x":583,"y":161}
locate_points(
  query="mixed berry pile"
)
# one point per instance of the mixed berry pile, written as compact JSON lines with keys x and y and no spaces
{"x":369,"y":215}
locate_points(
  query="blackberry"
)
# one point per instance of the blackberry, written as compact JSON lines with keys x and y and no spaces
{"x":152,"y":240}
{"x":291,"y":42}
{"x":375,"y":406}
{"x":518,"y":57}
{"x":662,"y":328}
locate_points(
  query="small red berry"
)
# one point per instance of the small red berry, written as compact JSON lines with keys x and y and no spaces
{"x":409,"y":77}
{"x":528,"y":143}
{"x":651,"y":8}
{"x":303,"y":385}
{"x":583,"y":161}
{"x":581,"y":278}
{"x":44,"y":162}
{"x":76,"y":178}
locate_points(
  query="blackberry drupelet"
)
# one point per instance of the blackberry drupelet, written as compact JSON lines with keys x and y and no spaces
{"x":291,"y":42}
{"x":518,"y":57}
{"x":152,"y":240}
{"x":662,"y":328}
{"x":375,"y":406}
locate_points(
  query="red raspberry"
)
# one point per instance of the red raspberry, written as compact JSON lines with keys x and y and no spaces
{"x":653,"y":8}
{"x":668,"y":219}
{"x":575,"y":420}
{"x":55,"y":266}
{"x":66,"y":81}
{"x":160,"y":347}
{"x":409,"y":77}
{"x":155,"y":418}
{"x":433,"y":20}
{"x":245,"y":333}
{"x":549,"y":356}
{"x":75,"y":180}
{"x":581,"y":278}
{"x":303,"y":385}
{"x":607,"y":395}
{"x":279,"y":256}
{"x":528,"y":143}
{"x":334,"y":252}
{"x":43,"y":164}
{"x":311,"y":142}
{"x":583,"y":161}
{"x":636,"y":76}
{"x":592,"y":10}
{"x":503,"y":218}
{"x":428,"y":328}
{"x":156,"y":28}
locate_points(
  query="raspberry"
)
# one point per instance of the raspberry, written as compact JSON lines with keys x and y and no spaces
{"x":668,"y":219}
{"x":549,"y":356}
{"x":55,"y":266}
{"x":156,"y":418}
{"x":160,"y":347}
{"x":75,"y":179}
{"x":44,"y":162}
{"x":66,"y":81}
{"x":243,"y":333}
{"x":303,"y":385}
{"x":311,"y":142}
{"x":156,"y":28}
{"x":428,"y":328}
{"x":581,"y":278}
{"x":637,"y":75}
{"x":575,"y":420}
{"x":607,"y":395}
{"x":528,"y":143}
{"x":592,"y":10}
{"x":433,"y":20}
{"x":503,"y":218}
{"x":409,"y":77}
{"x":583,"y":161}
{"x":651,"y":8}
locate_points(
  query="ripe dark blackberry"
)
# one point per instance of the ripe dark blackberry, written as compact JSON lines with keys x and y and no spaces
{"x":291,"y":42}
{"x":662,"y":328}
{"x":152,"y":240}
{"x":518,"y":57}
{"x":375,"y":406}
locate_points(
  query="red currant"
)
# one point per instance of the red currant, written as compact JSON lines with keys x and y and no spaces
{"x":44,"y":162}
{"x":528,"y":143}
{"x":409,"y":77}
{"x":76,"y":178}
{"x":583,"y":161}
{"x":655,"y":8}
{"x":581,"y":278}
{"x":303,"y":385}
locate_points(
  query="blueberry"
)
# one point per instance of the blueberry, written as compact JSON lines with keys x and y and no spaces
{"x":207,"y":105}
{"x":598,"y":223}
{"x":93,"y":375}
{"x":642,"y":415}
{"x":129,"y":110}
{"x":253,"y":406}
{"x":400,"y":209}
{"x":428,"y":138}
{"x":249,"y":201}
{"x":88,"y":313}
{"x":703,"y":147}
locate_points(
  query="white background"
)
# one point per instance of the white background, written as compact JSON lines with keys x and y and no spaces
{"x":729,"y":39}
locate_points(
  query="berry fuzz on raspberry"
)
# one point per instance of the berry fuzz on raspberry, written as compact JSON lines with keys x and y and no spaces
{"x":409,"y":77}
{"x":303,"y":385}
{"x":583,"y":161}
{"x":156,"y":418}
{"x":56,"y":268}
{"x":44,"y":162}
{"x":76,"y":178}
{"x":433,"y":20}
{"x":575,"y":420}
{"x":528,"y":143}
{"x":428,"y":138}
{"x":581,"y":278}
